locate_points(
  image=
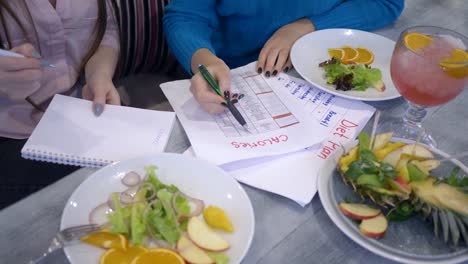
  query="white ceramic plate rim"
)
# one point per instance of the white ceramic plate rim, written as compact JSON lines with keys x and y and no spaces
{"x":296,"y":54}
{"x":330,"y":206}
{"x":108,"y":171}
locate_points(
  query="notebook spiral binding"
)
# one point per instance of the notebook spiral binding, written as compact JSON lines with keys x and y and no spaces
{"x":60,"y":158}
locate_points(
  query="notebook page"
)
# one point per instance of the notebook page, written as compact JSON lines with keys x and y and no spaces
{"x":70,"y":131}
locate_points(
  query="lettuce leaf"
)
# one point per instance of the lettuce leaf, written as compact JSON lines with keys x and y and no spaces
{"x":137,"y":223}
{"x":364,"y":77}
{"x":333,"y":71}
{"x":119,"y":216}
{"x":219,"y":258}
{"x":164,"y":221}
{"x":182,"y":205}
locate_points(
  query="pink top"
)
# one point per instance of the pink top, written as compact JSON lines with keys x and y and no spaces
{"x":64,"y":36}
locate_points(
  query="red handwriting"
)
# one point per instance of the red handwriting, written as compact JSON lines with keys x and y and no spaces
{"x":343,"y":127}
{"x":260,"y":143}
{"x":328,"y":149}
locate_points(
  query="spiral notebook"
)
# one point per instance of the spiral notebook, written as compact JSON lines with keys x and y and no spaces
{"x":69,"y":133}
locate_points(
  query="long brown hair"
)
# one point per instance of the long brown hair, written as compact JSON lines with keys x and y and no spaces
{"x":99,"y":29}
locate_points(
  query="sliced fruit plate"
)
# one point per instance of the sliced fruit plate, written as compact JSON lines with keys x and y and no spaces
{"x":395,"y":198}
{"x":157,"y":214}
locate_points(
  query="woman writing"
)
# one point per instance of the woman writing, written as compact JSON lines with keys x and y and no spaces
{"x":79,"y":38}
{"x":223,"y":34}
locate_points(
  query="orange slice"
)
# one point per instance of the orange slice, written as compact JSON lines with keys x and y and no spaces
{"x":159,"y":255}
{"x":365,"y":56}
{"x":337,"y":53}
{"x":415,"y":41}
{"x":351,"y":55}
{"x":106,"y":240}
{"x":457,"y":64}
{"x":117,"y":256}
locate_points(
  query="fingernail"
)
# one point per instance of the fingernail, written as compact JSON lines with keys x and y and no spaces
{"x":275,"y":72}
{"x":234,"y":101}
{"x":235,"y":95}
{"x":286,"y":69}
{"x":259,"y":70}
{"x":267,"y":74}
{"x":98,"y":108}
{"x":47,"y":64}
{"x":224,"y":104}
{"x":36,"y":55}
{"x":240,"y":96}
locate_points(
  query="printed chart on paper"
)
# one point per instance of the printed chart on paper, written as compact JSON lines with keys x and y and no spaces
{"x":261,"y":108}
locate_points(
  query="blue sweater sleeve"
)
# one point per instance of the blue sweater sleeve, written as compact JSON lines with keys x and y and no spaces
{"x":360,"y":14}
{"x":188,"y":27}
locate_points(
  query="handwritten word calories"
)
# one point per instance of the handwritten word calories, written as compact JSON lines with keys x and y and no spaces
{"x":261,"y":143}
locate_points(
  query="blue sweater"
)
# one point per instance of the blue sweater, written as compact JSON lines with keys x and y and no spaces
{"x":236,"y":30}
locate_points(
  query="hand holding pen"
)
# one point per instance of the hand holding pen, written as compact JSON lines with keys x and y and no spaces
{"x":229,"y":101}
{"x":21,"y":72}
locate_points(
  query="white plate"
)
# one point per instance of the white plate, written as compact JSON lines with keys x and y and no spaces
{"x":312,"y":49}
{"x":194,"y":177}
{"x":411,"y":241}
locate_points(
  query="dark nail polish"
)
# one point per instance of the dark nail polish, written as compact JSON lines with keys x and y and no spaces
{"x":286,"y":69}
{"x":235,"y":101}
{"x":240,"y":96}
{"x":224,"y":104}
{"x":235,"y":95}
{"x":98,"y":108}
{"x":267,"y":74}
{"x":259,"y":70}
{"x":275,"y":72}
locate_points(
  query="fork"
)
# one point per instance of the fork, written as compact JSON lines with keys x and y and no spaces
{"x":66,"y":237}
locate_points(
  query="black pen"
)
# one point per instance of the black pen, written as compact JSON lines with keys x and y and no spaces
{"x":227,"y":96}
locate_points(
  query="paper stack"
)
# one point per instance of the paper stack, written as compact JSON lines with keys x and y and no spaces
{"x":294,"y":127}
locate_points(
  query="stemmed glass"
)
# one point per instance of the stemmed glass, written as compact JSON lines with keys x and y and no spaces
{"x":429,"y":67}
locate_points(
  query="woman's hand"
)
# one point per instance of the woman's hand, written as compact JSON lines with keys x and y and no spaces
{"x":274,"y":56}
{"x":209,"y":100}
{"x":20,"y":77}
{"x":99,"y":72}
{"x":101,"y":91}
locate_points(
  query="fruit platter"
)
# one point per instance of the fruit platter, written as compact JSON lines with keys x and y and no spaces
{"x":398,"y":199}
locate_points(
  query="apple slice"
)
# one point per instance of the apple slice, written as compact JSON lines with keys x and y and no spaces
{"x":192,"y":253}
{"x":404,"y":159}
{"x":393,"y":157}
{"x":358,"y":211}
{"x":429,"y":165}
{"x":399,"y":185}
{"x":381,"y":141}
{"x":204,"y":237}
{"x":417,"y":151}
{"x":374,"y":227}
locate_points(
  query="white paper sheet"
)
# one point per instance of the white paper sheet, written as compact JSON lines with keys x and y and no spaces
{"x":278,"y":123}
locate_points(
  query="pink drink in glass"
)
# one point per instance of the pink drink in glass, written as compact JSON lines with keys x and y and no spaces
{"x":419,"y":77}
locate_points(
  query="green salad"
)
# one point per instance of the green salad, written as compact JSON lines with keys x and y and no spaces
{"x":356,"y":77}
{"x":151,"y":213}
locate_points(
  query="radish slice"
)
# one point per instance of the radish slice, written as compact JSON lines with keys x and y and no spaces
{"x":126,"y":198}
{"x":99,"y":214}
{"x":198,"y":204}
{"x":131,"y":179}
